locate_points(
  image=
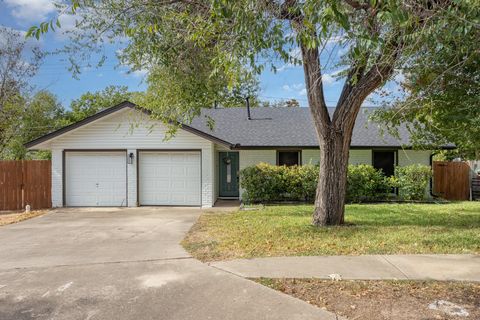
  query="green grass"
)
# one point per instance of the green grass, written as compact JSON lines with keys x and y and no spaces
{"x":369,"y":229}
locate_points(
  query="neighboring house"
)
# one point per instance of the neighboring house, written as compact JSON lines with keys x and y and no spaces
{"x":119,"y":157}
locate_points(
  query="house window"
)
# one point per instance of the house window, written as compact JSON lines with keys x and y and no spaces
{"x":288,"y":158}
{"x":384,"y":160}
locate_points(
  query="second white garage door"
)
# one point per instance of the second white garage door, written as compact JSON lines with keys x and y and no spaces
{"x":169,"y":178}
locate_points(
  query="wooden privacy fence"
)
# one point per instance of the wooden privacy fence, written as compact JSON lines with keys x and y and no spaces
{"x":25,"y":182}
{"x":451,"y":180}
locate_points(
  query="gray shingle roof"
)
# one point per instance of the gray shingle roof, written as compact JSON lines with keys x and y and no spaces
{"x":287,"y":127}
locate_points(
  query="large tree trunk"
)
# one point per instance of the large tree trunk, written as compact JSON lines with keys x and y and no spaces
{"x":335,"y":132}
{"x":332,"y":182}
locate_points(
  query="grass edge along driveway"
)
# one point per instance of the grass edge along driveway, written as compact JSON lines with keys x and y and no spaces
{"x":369,"y":229}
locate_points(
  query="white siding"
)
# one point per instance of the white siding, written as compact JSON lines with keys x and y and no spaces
{"x":208,"y":196}
{"x":132,"y":180}
{"x":131,"y":130}
{"x":408,"y":157}
{"x":57,"y":178}
{"x":358,"y":156}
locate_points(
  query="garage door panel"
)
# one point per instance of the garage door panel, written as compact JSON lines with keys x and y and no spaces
{"x":169,"y":178}
{"x":95,"y":179}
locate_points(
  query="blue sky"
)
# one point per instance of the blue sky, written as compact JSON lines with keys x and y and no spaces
{"x":286,"y":83}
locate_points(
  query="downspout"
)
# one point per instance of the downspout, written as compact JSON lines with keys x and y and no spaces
{"x":247,"y":100}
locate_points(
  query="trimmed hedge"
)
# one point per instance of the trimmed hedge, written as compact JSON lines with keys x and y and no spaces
{"x":366,"y":184}
{"x":268,"y":183}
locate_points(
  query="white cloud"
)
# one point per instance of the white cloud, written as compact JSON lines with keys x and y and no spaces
{"x":295,"y":54}
{"x":140,"y":73}
{"x":68,"y":23}
{"x":127,"y":72}
{"x":302,"y":92}
{"x":27,"y":11}
{"x":286,"y":66}
{"x":292,"y":87}
{"x":297,"y":86}
{"x":327,"y":78}
{"x":332,"y":78}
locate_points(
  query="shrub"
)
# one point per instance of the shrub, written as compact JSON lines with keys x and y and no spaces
{"x":365,"y":183}
{"x":412,"y":181}
{"x":266,"y":183}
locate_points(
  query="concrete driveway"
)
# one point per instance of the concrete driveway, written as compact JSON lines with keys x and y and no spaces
{"x":124,"y":264}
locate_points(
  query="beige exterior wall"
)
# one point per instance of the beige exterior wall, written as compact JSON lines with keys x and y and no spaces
{"x":408,"y":157}
{"x":310,"y":156}
{"x":357,"y":156}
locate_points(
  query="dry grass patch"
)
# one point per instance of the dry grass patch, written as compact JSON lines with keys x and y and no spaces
{"x":369,"y":229}
{"x":14,"y":217}
{"x":383,"y":300}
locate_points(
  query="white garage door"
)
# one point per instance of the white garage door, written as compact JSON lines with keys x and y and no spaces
{"x":95,"y":179}
{"x":169,"y":178}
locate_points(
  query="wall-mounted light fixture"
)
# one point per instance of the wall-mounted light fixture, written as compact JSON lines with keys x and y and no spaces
{"x":130,"y":158}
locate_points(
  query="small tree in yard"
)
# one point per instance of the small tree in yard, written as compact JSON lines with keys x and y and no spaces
{"x":213,"y":44}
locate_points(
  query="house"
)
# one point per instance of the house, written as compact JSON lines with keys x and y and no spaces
{"x":119,"y":157}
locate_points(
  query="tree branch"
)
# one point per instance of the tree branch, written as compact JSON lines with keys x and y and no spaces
{"x":354,"y":94}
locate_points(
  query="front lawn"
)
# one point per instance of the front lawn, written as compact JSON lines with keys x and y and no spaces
{"x":369,"y":229}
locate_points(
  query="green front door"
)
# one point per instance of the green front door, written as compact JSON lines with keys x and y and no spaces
{"x":228,"y":165}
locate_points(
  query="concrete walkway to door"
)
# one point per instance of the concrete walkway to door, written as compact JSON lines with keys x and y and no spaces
{"x":367,"y":267}
{"x":125,"y":263}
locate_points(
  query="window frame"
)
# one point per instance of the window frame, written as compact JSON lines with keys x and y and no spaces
{"x":298,"y":151}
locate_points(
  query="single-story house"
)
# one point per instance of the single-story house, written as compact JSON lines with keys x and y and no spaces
{"x":120,"y":157}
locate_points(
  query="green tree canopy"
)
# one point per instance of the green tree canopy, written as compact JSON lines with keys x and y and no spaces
{"x":90,"y":103}
{"x":208,"y":47}
{"x":40,"y":115}
{"x":441,"y":104}
{"x":18,"y":64}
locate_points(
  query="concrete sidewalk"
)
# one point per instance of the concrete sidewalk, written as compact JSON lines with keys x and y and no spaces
{"x":367,"y":267}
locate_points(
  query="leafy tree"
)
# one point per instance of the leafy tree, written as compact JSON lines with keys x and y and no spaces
{"x":41,"y":114}
{"x":18,"y":63}
{"x":442,"y":87}
{"x":210,"y":45}
{"x":282,"y":103}
{"x":90,"y":103}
